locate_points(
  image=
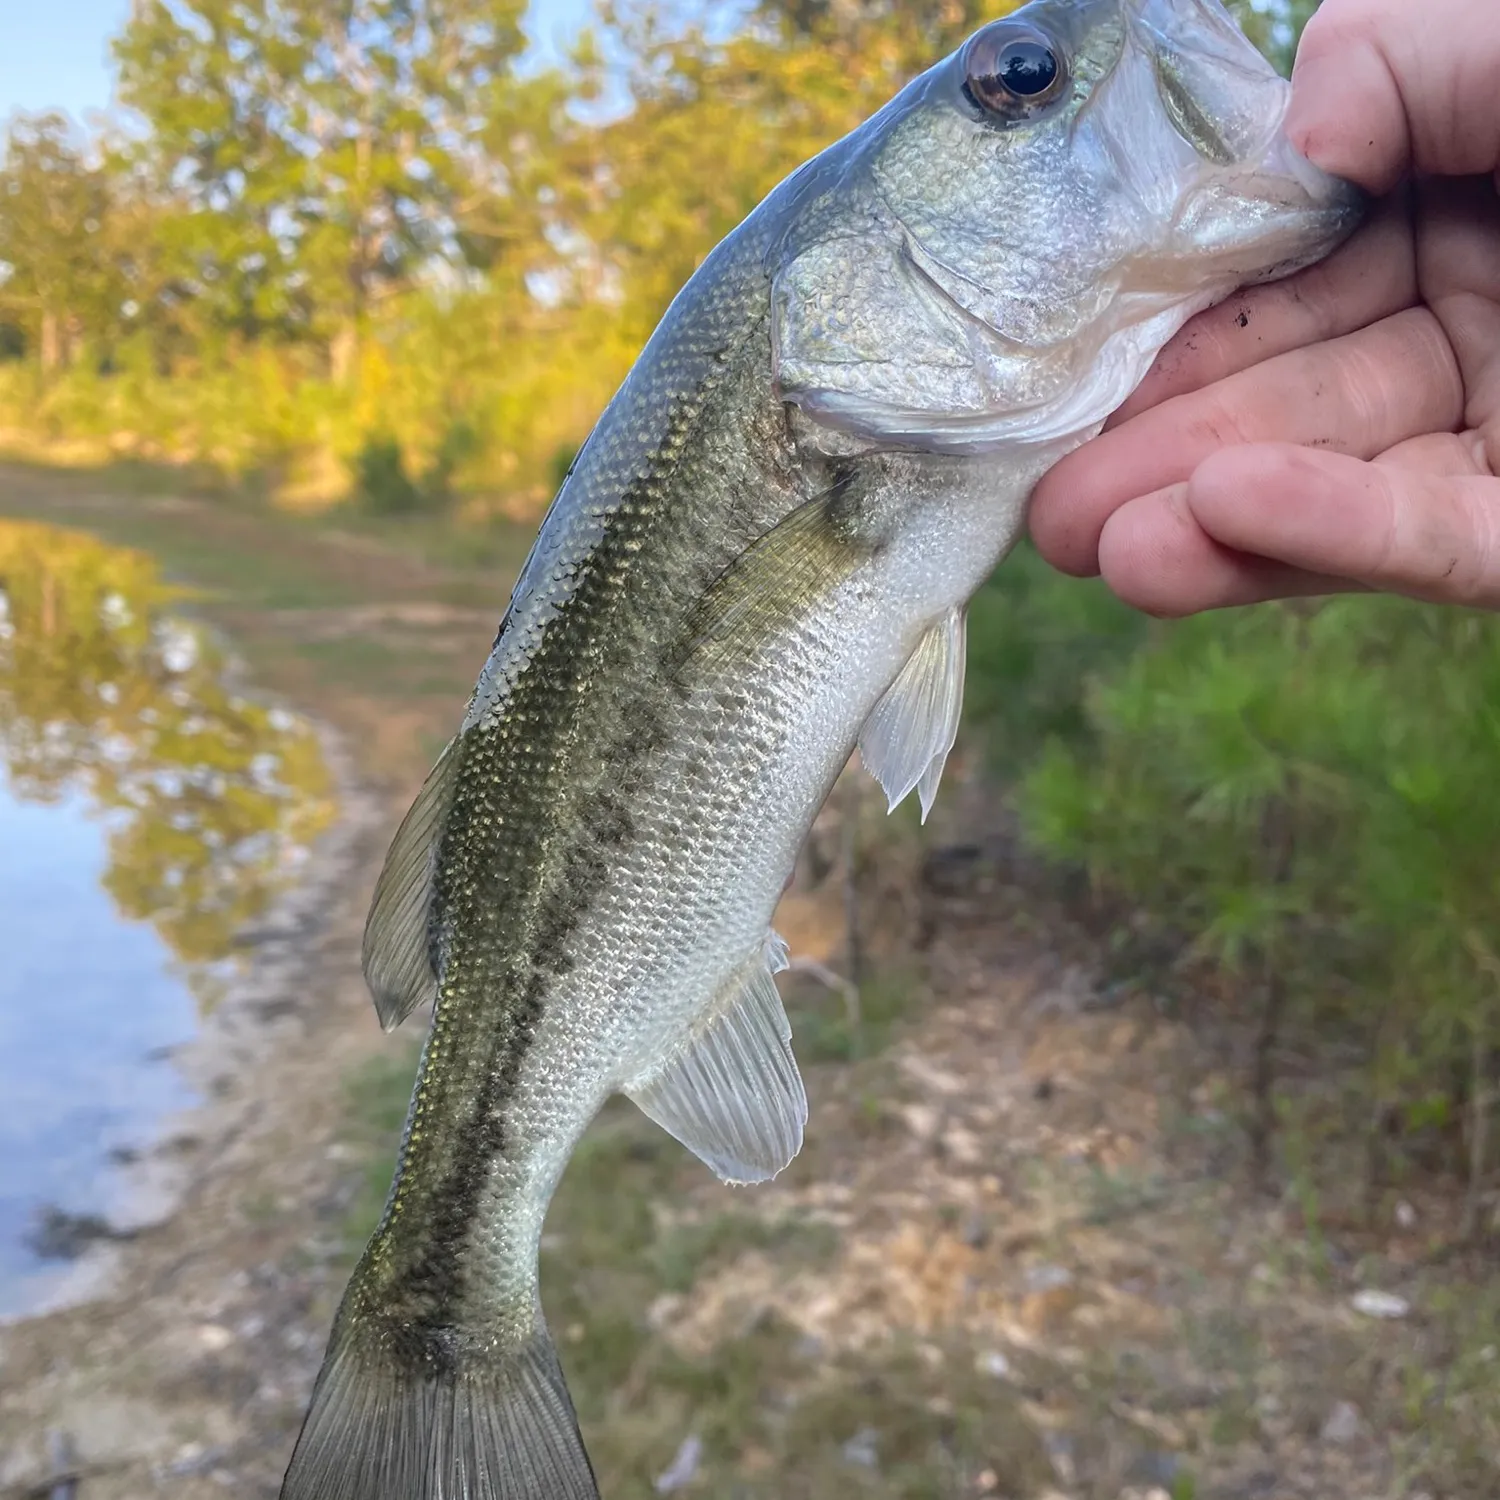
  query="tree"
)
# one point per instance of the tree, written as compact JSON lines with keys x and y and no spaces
{"x":320,"y":147}
{"x":54,"y":204}
{"x":714,"y":120}
{"x":1275,"y":26}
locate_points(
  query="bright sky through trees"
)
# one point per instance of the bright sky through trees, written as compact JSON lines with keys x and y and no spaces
{"x":57,"y":56}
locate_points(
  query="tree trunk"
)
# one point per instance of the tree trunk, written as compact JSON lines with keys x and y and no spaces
{"x":343,"y":354}
{"x":50,"y":347}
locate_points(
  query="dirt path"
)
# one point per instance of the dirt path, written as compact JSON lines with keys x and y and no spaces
{"x":1020,"y":1256}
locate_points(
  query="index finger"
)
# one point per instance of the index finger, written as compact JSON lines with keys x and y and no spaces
{"x":1371,"y":276}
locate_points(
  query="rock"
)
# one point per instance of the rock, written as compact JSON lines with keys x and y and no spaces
{"x":1375,"y":1304}
{"x":1406,"y":1215}
{"x":57,"y":1234}
{"x":922,"y":1120}
{"x":1154,"y":1470}
{"x":664,"y":1310}
{"x":195,"y":1458}
{"x":993,"y":1362}
{"x":860,"y":1449}
{"x":962,"y":1146}
{"x":214,"y":1337}
{"x":1343,"y":1424}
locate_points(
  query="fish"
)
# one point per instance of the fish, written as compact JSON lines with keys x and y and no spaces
{"x":760,"y":560}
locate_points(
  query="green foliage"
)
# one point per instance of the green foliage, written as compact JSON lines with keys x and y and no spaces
{"x":1036,"y":640}
{"x":54,"y":206}
{"x":314,"y":152}
{"x":1275,"y":26}
{"x":333,"y":225}
{"x":1308,"y":793}
{"x":382,"y":485}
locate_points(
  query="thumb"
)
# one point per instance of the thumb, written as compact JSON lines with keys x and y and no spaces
{"x":1381,"y":87}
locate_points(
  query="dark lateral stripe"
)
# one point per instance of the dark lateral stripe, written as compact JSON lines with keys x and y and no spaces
{"x":553,"y":782}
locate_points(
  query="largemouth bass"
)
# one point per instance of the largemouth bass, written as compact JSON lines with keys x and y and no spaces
{"x":760,"y":560}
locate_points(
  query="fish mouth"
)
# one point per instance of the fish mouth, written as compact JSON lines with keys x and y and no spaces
{"x":1217,"y":172}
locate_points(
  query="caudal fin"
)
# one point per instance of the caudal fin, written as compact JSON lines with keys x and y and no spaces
{"x":379,"y":1429}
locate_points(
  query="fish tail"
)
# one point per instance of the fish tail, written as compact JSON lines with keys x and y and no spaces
{"x":383,"y":1427}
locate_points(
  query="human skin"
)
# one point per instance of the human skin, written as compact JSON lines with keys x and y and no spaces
{"x":1339,"y":430}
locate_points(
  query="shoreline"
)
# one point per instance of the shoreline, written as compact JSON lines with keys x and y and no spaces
{"x":234,"y":1040}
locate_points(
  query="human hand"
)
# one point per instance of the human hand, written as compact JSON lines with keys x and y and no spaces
{"x":1341,"y":429}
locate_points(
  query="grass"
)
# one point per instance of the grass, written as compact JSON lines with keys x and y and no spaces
{"x":376,"y":1096}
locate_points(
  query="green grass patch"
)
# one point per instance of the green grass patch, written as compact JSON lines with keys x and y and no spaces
{"x":376,"y":1095}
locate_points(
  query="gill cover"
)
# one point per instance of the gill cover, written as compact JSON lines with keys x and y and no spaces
{"x":997,"y":256}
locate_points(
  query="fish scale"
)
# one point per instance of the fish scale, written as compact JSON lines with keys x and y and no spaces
{"x":759,"y":560}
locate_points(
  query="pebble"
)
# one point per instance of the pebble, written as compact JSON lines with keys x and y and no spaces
{"x":1047,"y":1278}
{"x":1375,"y":1304}
{"x":684,"y":1466}
{"x":993,"y":1362}
{"x":860,"y":1449}
{"x":214,"y":1336}
{"x":1343,"y":1424}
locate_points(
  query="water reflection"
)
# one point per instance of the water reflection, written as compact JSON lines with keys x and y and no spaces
{"x":135,"y":784}
{"x":210,"y":799}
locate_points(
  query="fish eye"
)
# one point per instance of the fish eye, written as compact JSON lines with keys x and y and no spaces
{"x":1010,"y":70}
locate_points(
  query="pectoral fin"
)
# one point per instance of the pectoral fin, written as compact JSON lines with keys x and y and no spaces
{"x":731,"y":1093}
{"x":772,"y":583}
{"x":396,"y":955}
{"x":905,"y":742}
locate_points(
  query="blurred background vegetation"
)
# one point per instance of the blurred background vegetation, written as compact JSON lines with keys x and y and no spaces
{"x":378,"y":257}
{"x":379,"y":251}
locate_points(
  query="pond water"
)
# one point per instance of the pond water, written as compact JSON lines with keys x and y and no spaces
{"x":149,"y":810}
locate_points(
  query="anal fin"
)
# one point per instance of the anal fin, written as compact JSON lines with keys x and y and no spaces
{"x":906,"y":740}
{"x":731,"y":1092}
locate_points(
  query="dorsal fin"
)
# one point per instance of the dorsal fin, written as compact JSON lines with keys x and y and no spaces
{"x":396,"y":957}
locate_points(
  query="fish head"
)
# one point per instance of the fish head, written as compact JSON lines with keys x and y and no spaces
{"x":997,"y":256}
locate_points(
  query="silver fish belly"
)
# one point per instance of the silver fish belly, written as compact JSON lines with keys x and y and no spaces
{"x":760,"y":560}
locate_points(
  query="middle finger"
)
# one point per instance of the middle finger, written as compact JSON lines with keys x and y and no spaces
{"x":1360,"y":395}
